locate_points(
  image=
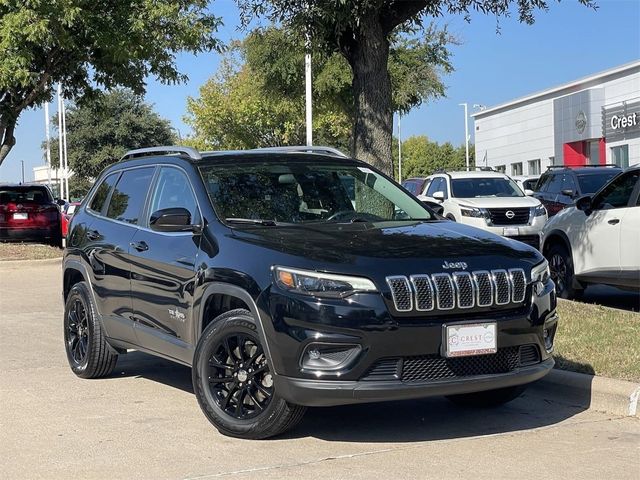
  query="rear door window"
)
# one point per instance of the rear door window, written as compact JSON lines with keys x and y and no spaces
{"x":129,"y":195}
{"x":102,"y":192}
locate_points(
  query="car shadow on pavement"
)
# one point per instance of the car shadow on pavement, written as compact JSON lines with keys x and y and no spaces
{"x":426,"y":419}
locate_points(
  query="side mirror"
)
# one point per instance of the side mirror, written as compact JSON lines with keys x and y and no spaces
{"x":584,"y":204}
{"x":568,"y":192}
{"x":60,"y":202}
{"x":436,"y":207}
{"x":528,"y":192}
{"x":171,"y":220}
{"x":438,"y":196}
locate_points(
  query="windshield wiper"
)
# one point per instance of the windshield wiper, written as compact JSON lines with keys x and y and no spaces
{"x":251,"y":221}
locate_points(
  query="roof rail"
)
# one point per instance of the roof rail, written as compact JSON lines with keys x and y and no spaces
{"x":550,"y":167}
{"x":192,"y":153}
{"x":303,"y":148}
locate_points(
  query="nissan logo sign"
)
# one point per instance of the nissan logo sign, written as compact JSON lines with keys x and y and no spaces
{"x":509,"y":214}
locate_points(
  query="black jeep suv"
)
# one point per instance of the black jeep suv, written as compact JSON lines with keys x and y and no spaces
{"x":288,"y":279}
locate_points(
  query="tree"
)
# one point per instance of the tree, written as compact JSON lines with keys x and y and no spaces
{"x":89,"y":45}
{"x":257,"y":96}
{"x":361,"y":31}
{"x":101,"y":130}
{"x":421,"y":157}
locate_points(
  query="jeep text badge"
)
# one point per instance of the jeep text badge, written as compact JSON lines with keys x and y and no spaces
{"x":458,"y":265}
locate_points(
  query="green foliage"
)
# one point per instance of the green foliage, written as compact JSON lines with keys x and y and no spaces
{"x":252,"y":101}
{"x":362,"y":32}
{"x":91,"y":45}
{"x":100,"y":131}
{"x":421,"y":157}
{"x":257,"y":96}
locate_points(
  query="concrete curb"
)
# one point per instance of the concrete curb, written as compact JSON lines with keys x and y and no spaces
{"x":26,"y":263}
{"x":602,"y":394}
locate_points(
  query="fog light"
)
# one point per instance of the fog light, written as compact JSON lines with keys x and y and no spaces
{"x":548,"y":334}
{"x":328,"y":356}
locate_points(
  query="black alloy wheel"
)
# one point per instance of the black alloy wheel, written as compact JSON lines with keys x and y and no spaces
{"x":77,"y":332}
{"x":88,"y":353}
{"x":234,"y":383}
{"x":561,"y":269}
{"x":239,"y":376}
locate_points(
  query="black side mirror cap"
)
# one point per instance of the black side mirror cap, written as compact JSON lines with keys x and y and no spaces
{"x":172,"y":220}
{"x":584,"y":204}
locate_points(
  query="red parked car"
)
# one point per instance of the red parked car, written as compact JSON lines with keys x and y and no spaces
{"x":67,"y":212}
{"x":29,"y":212}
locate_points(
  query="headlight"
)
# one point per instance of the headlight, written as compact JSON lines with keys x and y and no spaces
{"x":321,"y":284}
{"x":474,"y":212}
{"x":539,"y":211}
{"x":540,"y":273}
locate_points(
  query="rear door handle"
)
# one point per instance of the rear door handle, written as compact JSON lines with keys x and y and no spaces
{"x":93,"y":234}
{"x":140,"y":246}
{"x":614,"y":221}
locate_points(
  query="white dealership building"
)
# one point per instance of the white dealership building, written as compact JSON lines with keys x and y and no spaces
{"x":594,"y":120}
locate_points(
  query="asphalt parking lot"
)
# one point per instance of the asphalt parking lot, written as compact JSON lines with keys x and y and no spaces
{"x":144,"y":421}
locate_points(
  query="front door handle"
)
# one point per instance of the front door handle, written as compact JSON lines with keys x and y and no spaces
{"x":140,"y":246}
{"x":614,"y":221}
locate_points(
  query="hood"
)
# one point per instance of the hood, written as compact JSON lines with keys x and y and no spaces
{"x":498,"y":202}
{"x":389,"y":247}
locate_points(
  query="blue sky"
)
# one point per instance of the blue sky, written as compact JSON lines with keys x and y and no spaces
{"x":566,"y":43}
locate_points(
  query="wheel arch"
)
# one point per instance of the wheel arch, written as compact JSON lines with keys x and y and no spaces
{"x":235,"y":297}
{"x":554,"y":237}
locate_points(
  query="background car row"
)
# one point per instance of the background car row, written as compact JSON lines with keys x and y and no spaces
{"x":593,"y":226}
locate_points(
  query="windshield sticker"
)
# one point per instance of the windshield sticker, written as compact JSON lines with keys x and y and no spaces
{"x":366,"y":170}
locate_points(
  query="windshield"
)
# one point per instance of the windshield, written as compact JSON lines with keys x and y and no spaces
{"x":591,"y":183}
{"x":484,"y":187}
{"x":291,"y":192}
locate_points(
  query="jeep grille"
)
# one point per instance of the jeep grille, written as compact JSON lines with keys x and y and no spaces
{"x":444,"y":291}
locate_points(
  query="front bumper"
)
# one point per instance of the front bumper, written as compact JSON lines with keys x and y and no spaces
{"x":325,"y":393}
{"x":527,"y":233}
{"x":293,"y":323}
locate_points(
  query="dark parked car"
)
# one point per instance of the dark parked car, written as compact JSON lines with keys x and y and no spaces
{"x":560,"y":186}
{"x":282,"y":290}
{"x":28,"y":212}
{"x":415,"y":185}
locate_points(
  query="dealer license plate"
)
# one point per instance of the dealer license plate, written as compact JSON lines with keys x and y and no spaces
{"x":511,"y":231}
{"x":20,"y":216}
{"x":470,"y":339}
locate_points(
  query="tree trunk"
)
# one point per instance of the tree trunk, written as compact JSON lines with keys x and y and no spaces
{"x":6,"y":137}
{"x":373,"y":128}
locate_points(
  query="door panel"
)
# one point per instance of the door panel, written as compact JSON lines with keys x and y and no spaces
{"x":163,"y":271}
{"x":106,"y":247}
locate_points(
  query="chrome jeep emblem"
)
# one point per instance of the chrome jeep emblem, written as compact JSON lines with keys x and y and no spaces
{"x":509,"y":214}
{"x":456,"y":265}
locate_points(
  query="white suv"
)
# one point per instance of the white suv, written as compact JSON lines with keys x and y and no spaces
{"x":596,"y":241}
{"x":489,"y":200}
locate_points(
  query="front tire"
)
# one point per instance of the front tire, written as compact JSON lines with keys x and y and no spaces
{"x":233,"y":382}
{"x":88,"y":352}
{"x":488,"y":398}
{"x":562,"y":274}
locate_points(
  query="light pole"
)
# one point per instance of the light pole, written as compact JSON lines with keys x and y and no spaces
{"x":22,"y":161}
{"x":399,"y":150}
{"x":466,"y":132}
{"x":308,"y":91}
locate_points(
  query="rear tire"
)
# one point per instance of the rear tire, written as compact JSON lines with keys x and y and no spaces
{"x":88,"y":352}
{"x":562,"y":274}
{"x":488,"y":398}
{"x":233,"y":381}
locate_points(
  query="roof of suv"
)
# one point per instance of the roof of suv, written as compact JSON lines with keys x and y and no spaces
{"x":473,"y":174}
{"x":588,"y":170}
